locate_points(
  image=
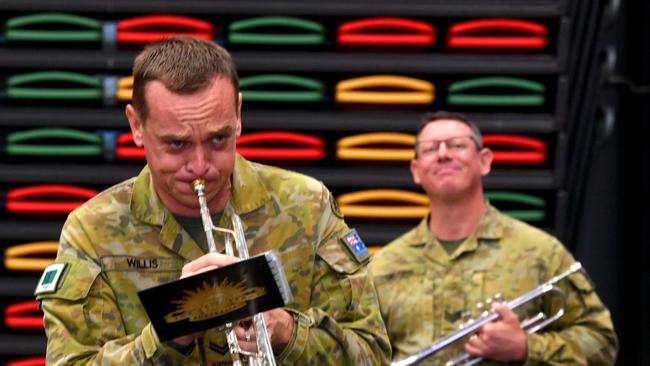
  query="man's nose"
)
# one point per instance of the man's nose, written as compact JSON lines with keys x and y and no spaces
{"x":442,"y":150}
{"x":198,"y":163}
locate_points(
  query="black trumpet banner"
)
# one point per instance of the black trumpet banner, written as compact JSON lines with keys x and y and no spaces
{"x":216,"y":297}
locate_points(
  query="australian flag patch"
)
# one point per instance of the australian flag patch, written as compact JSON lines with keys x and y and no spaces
{"x":355,"y":245}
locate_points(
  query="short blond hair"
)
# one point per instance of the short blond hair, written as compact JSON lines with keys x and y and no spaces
{"x":184,"y":65}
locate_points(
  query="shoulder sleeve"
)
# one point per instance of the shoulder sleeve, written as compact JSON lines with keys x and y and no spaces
{"x":74,"y":282}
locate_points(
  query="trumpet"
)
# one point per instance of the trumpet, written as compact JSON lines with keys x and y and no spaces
{"x":530,"y":325}
{"x":264,"y":355}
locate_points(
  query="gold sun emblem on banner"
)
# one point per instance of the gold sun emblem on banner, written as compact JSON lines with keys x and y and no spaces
{"x":212,"y":300}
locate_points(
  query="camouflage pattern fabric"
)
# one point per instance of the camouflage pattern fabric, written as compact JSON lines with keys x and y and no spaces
{"x":124,"y":240}
{"x":423,"y":292}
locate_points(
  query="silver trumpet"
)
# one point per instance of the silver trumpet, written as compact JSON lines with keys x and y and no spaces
{"x":264,"y":355}
{"x":530,"y":325}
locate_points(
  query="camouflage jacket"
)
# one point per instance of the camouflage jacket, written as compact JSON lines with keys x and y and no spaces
{"x":124,"y":240}
{"x":423,"y":292}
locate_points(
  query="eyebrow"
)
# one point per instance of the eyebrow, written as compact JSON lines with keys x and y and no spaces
{"x":449,"y":138}
{"x":225,"y":130}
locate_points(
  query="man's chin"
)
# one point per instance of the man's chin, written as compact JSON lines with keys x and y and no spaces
{"x":185,"y":198}
{"x":449,"y":189}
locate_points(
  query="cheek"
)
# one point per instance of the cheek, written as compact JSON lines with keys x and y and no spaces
{"x":164,"y":163}
{"x":223,"y":162}
{"x":418,"y":169}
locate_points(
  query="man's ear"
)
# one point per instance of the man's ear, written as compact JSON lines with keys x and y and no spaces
{"x":485,"y":159}
{"x":414,"y":172}
{"x":136,"y":125}
{"x":239,"y":102}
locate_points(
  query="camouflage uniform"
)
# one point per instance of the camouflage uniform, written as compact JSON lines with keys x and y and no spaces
{"x":423,"y":291}
{"x":124,"y":240}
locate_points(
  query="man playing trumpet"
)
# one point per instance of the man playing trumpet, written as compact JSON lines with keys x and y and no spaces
{"x":186,"y":112}
{"x":465,"y":251}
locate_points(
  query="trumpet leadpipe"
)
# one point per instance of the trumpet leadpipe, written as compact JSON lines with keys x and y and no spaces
{"x":199,"y":188}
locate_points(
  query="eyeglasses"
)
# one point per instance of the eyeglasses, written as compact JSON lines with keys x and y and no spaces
{"x":458,"y":144}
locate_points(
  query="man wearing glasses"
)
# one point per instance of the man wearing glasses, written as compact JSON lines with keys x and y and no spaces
{"x":464,"y":251}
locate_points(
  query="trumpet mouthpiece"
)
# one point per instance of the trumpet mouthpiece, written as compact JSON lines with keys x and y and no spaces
{"x":198,"y":185}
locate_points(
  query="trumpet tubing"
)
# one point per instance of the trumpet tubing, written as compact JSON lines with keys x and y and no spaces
{"x":264,"y":355}
{"x":199,"y":187}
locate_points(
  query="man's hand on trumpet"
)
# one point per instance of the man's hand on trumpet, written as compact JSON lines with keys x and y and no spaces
{"x":279,"y":325}
{"x":501,"y":340}
{"x":207,"y":262}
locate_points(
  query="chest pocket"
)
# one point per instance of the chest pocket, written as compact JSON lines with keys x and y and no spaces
{"x":459,"y":293}
{"x":297,"y":263}
{"x":129,"y":274}
{"x":406,"y":300}
{"x":512,"y":283}
{"x":140,"y":273}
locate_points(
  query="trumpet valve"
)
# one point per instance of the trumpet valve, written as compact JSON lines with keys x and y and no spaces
{"x":498,"y":297}
{"x":482,"y":310}
{"x":480,"y":307}
{"x":488,"y":302}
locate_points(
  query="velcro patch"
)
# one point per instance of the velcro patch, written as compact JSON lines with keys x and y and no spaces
{"x":355,"y":246}
{"x":49,"y":281}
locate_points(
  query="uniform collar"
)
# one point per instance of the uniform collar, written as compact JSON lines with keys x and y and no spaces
{"x":422,"y":234}
{"x":249,"y":191}
{"x":489,"y":228}
{"x":146,"y":206}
